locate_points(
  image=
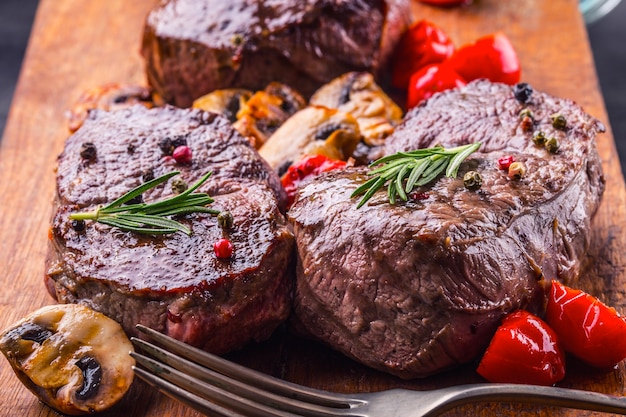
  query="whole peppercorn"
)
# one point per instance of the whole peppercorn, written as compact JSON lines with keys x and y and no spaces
{"x":223,"y":249}
{"x":472,"y":180}
{"x":182,"y":154}
{"x":558,"y":121}
{"x":505,"y":162}
{"x":539,"y":137}
{"x":552,"y":145}
{"x":225,"y":220}
{"x":517,"y":170}
{"x":522,"y":92}
{"x":527,"y":120}
{"x":78,"y":225}
{"x":179,"y":186}
{"x":88,"y":151}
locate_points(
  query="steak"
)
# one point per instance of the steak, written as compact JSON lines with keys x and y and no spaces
{"x":173,"y":283}
{"x":193,"y":47}
{"x":419,"y":287}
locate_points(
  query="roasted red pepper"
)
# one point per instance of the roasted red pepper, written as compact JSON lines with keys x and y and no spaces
{"x":308,"y":166}
{"x":492,"y":57}
{"x":422,"y":44}
{"x":524,"y":350}
{"x":430,"y":80}
{"x":588,"y":329}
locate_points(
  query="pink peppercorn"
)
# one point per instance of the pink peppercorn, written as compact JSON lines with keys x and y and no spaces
{"x":223,"y":248}
{"x":505,"y":162}
{"x":182,"y":154}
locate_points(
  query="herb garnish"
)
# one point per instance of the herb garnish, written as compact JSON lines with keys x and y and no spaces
{"x":418,"y":167}
{"x":151,"y":218}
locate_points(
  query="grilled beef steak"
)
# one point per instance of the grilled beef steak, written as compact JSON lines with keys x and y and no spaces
{"x":173,"y":283}
{"x":419,"y":287}
{"x":192,"y":47}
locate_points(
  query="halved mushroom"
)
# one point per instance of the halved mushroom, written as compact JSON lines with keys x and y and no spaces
{"x":73,"y":358}
{"x":227,"y":102}
{"x":110,"y":97}
{"x":255,"y":115}
{"x":358,"y":94}
{"x":315,"y":130}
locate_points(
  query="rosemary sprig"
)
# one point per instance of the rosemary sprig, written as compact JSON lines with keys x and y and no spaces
{"x":403,"y":171}
{"x":152,"y":218}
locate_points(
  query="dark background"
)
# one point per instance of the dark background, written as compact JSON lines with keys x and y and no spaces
{"x":607,"y":37}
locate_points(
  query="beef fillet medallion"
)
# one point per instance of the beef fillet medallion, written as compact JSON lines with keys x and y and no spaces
{"x":420,"y":286}
{"x":174,"y":283}
{"x":192,"y":47}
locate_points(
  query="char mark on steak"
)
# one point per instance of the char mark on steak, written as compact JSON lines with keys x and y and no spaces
{"x":193,"y":47}
{"x":419,"y":287}
{"x":173,"y":283}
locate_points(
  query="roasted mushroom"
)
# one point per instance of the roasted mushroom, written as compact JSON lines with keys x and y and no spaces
{"x":315,"y":130}
{"x":256,"y":116}
{"x":110,"y":97}
{"x":227,"y":102}
{"x":358,"y":94}
{"x":73,"y":358}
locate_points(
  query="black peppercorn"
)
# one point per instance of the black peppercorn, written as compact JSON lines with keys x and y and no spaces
{"x":88,"y":151}
{"x":522,"y":92}
{"x":78,"y":225}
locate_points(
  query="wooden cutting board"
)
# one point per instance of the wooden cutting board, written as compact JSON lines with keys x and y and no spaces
{"x":78,"y":44}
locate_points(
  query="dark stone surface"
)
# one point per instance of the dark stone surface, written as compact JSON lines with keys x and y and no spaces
{"x":606,"y":35}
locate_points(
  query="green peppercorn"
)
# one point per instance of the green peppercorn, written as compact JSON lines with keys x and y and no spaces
{"x":558,"y":121}
{"x":526,"y":113}
{"x":179,"y":186}
{"x":472,"y":180}
{"x":552,"y":145}
{"x":517,"y":170}
{"x":225,"y":220}
{"x":539,"y":137}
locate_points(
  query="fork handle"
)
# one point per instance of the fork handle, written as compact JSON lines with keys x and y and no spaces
{"x":531,"y":394}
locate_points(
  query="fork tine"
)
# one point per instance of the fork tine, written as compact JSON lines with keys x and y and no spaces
{"x":200,"y":395}
{"x":251,"y":377}
{"x":185,"y":397}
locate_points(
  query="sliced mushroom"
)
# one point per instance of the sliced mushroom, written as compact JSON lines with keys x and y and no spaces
{"x":110,"y":97}
{"x":315,"y":130}
{"x":73,"y":358}
{"x":358,"y":94}
{"x":227,"y":102}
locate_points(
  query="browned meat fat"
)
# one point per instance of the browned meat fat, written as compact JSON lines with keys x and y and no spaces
{"x":173,"y":283}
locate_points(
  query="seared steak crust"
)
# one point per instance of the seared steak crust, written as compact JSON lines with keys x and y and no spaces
{"x":419,"y":287}
{"x":193,"y":47}
{"x":173,"y":283}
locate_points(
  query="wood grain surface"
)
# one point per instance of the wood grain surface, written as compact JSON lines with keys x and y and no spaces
{"x":79,"y":44}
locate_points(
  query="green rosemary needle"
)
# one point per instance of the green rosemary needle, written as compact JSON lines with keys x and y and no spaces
{"x":403,"y":171}
{"x":152,"y":218}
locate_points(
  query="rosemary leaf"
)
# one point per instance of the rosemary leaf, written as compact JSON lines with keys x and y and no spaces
{"x":403,"y":171}
{"x":152,"y":218}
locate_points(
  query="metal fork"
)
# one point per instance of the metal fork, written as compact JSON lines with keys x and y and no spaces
{"x":217,"y":387}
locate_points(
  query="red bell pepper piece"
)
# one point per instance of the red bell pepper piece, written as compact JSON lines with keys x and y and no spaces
{"x":308,"y":166}
{"x":524,"y":350}
{"x":492,"y":57}
{"x":588,"y":329}
{"x":422,"y":44}
{"x":430,"y":80}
